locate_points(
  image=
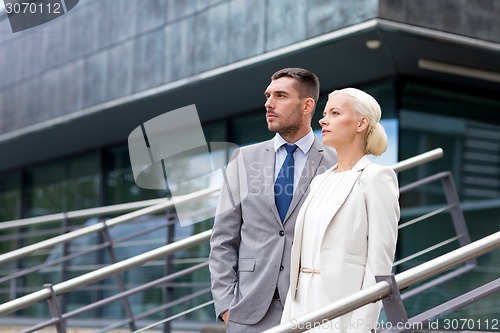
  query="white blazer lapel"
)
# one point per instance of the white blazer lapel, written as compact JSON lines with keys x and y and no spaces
{"x":297,"y":239}
{"x":343,"y":191}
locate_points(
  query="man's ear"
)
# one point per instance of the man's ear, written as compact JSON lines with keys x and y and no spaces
{"x":309,"y":106}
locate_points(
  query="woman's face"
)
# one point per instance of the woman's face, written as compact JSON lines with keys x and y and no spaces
{"x":340,"y":123}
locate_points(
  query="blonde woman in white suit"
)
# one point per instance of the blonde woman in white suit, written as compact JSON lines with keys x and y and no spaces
{"x":346,"y":230}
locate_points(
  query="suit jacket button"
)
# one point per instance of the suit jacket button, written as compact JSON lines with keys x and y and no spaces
{"x":282,"y":268}
{"x":282,"y":233}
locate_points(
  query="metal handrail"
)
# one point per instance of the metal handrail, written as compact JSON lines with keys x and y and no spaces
{"x":81,"y":213}
{"x":418,"y":160}
{"x":27,"y":250}
{"x":121,"y":296}
{"x":382,"y":289}
{"x":100,"y":274}
{"x":113,"y":269}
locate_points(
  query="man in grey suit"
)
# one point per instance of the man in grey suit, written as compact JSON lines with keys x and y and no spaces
{"x":251,"y":241}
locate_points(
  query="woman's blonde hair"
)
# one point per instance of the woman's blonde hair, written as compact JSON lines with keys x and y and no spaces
{"x":366,"y":106}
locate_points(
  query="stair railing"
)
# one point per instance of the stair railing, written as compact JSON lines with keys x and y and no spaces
{"x":50,"y":292}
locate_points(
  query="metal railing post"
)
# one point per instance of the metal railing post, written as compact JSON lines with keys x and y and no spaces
{"x":457,"y":215}
{"x":119,"y":279}
{"x":169,"y":268}
{"x":64,"y":267}
{"x":55,"y":310}
{"x":393,"y":304}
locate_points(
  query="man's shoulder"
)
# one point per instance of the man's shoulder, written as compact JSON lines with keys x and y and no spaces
{"x":329,"y":150}
{"x":329,"y":153}
{"x":257,"y":146}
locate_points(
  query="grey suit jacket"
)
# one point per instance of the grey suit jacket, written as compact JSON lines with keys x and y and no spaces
{"x":250,"y":247}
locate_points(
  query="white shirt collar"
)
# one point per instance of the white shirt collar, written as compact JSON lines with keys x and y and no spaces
{"x":304,"y":144}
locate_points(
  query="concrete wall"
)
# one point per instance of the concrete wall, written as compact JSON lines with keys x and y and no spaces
{"x":106,"y":49}
{"x":472,"y":18}
{"x":103,"y":50}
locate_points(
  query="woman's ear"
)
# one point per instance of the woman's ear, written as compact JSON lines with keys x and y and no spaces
{"x":363,"y":124}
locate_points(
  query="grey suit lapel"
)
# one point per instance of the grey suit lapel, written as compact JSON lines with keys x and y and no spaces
{"x":267,"y":178}
{"x":313,"y":161}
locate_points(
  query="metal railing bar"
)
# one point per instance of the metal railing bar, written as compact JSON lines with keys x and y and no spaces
{"x":157,"y":309}
{"x":143,"y":231}
{"x":382,"y":289}
{"x":180,"y":285}
{"x":443,"y":278}
{"x":114,"y":298}
{"x":371,"y":294}
{"x":100,"y":226}
{"x":36,"y":233}
{"x":180,"y":314}
{"x":85,"y":213}
{"x":416,"y":211}
{"x":138,"y":242}
{"x":148,"y":230}
{"x":418,"y":160}
{"x":425,"y":216}
{"x":426,"y":250}
{"x":58,"y":231}
{"x":459,"y":302}
{"x":188,"y":297}
{"x":105,"y":272}
{"x":448,"y":260}
{"x":82,"y":213}
{"x":132,"y":291}
{"x":113,"y":287}
{"x":42,"y":325}
{"x":53,"y":262}
{"x":93,"y":267}
{"x":423,"y":181}
{"x":173,"y":303}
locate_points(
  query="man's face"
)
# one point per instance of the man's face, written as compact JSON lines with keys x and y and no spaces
{"x":284,"y":106}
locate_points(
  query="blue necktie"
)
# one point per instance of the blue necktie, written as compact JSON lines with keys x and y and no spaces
{"x":283,"y":187}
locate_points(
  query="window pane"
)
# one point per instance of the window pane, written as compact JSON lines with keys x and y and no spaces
{"x":466,"y":126}
{"x":120,"y":183}
{"x":63,"y":186}
{"x":10,"y":196}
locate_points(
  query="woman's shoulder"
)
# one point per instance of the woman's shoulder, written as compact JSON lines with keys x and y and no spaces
{"x":378,"y":173}
{"x":374,"y":168}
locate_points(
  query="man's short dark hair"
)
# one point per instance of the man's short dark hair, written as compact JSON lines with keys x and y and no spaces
{"x":308,"y":82}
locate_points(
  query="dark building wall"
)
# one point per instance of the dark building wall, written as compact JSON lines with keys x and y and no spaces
{"x":108,"y":49}
{"x":472,"y":18}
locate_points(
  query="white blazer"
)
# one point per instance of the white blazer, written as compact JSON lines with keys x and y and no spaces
{"x":359,"y":242}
